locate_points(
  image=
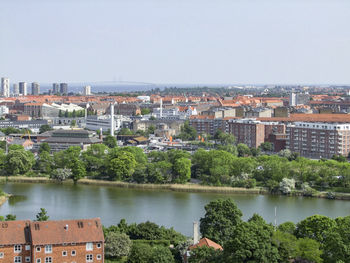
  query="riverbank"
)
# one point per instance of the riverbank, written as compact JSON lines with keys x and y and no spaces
{"x":195,"y":188}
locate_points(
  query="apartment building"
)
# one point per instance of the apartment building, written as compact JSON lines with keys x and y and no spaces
{"x":52,"y":241}
{"x":208,"y":124}
{"x":318,"y":140}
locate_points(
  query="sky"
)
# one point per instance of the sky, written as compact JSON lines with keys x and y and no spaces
{"x":176,"y":41}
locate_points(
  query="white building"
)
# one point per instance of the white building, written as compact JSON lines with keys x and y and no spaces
{"x":15,"y":89}
{"x":4,"y":110}
{"x":87,"y":91}
{"x":144,"y":98}
{"x":94,"y":123}
{"x":5,"y":87}
{"x":53,"y":110}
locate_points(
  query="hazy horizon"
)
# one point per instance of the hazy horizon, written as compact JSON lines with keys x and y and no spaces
{"x":282,"y":42}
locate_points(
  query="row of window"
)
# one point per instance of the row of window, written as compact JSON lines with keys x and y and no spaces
{"x":18,"y":259}
{"x":48,"y":248}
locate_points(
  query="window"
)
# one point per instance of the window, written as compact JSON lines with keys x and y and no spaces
{"x":18,"y":248}
{"x":38,"y":249}
{"x":98,"y":245}
{"x":73,"y":253}
{"x":1,"y":254}
{"x":48,"y":260}
{"x":89,"y":258}
{"x":38,"y":260}
{"x":89,"y":246}
{"x":64,"y":253}
{"x":27,"y":247}
{"x":48,"y":249}
{"x":27,"y":259}
{"x":98,"y":257}
{"x":18,"y":259}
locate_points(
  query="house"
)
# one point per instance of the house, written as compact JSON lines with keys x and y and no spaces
{"x":61,"y":241}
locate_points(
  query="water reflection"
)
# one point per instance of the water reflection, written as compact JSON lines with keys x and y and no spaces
{"x":14,"y":199}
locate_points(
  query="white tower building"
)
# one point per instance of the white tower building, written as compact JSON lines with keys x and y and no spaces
{"x":5,"y":87}
{"x":87,"y":91}
{"x":112,"y":119}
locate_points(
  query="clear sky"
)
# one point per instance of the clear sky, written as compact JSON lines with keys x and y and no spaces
{"x":176,"y":41}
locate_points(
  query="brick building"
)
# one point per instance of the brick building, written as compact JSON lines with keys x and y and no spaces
{"x":318,"y":139}
{"x":52,"y":241}
{"x":208,"y":124}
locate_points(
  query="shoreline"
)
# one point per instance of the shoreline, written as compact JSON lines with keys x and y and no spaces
{"x":192,"y":188}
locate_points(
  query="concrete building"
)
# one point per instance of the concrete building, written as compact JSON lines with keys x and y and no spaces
{"x":64,"y":88}
{"x":80,"y":240}
{"x":4,"y":110}
{"x":23,"y":88}
{"x":296,"y":99}
{"x":318,"y":140}
{"x":258,"y":113}
{"x":35,"y":88}
{"x":87,"y":91}
{"x":224,"y":112}
{"x":208,"y":124}
{"x":53,"y":109}
{"x":15,"y":89}
{"x":5,"y":87}
{"x":33,"y":125}
{"x":94,"y":123}
{"x":55,"y":88}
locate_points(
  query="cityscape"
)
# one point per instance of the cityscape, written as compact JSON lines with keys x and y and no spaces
{"x":174,"y":131}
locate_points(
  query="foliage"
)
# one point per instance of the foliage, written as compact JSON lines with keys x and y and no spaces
{"x":110,"y":141}
{"x":19,"y":161}
{"x":188,"y":133}
{"x":61,"y":174}
{"x":44,"y":147}
{"x":161,"y":255}
{"x":42,"y":215}
{"x":45,"y":128}
{"x":117,"y":245}
{"x":140,"y":253}
{"x":205,"y":254}
{"x":220,"y":220}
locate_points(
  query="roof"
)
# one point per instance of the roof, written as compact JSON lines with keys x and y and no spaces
{"x":339,"y":118}
{"x":67,"y":231}
{"x":206,"y":242}
{"x":14,"y":232}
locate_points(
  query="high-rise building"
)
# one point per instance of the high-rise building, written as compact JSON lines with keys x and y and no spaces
{"x":5,"y":87}
{"x":55,"y":88}
{"x":35,"y":88}
{"x":299,"y":99}
{"x":23,"y":88}
{"x":15,"y":89}
{"x":87,"y":91}
{"x":64,"y":88}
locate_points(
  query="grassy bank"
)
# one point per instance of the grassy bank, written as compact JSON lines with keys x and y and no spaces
{"x":194,"y":188}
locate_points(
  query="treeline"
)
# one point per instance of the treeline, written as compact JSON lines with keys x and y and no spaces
{"x":286,"y":172}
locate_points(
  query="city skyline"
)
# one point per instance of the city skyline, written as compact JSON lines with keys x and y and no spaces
{"x":262,"y":42}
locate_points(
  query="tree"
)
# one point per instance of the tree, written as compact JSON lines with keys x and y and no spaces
{"x":42,"y":215}
{"x":73,"y":123}
{"x":287,"y":185}
{"x":182,"y":170}
{"x":161,"y":255}
{"x":251,"y":242}
{"x":314,"y":227}
{"x":204,"y":254}
{"x":110,"y":141}
{"x":19,"y":162}
{"x":145,"y":111}
{"x":44,"y":147}
{"x":308,"y":250}
{"x":44,"y":163}
{"x":220,"y":220}
{"x":61,"y":174}
{"x":123,"y":166}
{"x":287,"y":227}
{"x":10,"y":217}
{"x":117,"y":245}
{"x":95,"y":159}
{"x":188,"y":133}
{"x":266,"y":146}
{"x":243,"y":150}
{"x":45,"y":128}
{"x":140,"y":253}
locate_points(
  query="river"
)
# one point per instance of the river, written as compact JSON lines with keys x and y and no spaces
{"x":168,"y":208}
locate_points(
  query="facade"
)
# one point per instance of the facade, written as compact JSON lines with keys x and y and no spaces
{"x":208,"y":124}
{"x":15,"y":89}
{"x":52,"y":241}
{"x":318,"y":140}
{"x":104,"y":122}
{"x":127,"y":109}
{"x":63,"y":88}
{"x":247,"y":131}
{"x":23,"y":88}
{"x":296,"y":99}
{"x":33,"y":109}
{"x":55,"y":88}
{"x":87,"y":91}
{"x":34,"y":125}
{"x":35,"y":88}
{"x":5,"y":87}
{"x":4,"y":110}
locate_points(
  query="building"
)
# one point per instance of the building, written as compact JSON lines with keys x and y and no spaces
{"x":296,"y":99}
{"x":208,"y":124}
{"x":87,"y":91}
{"x":4,"y":110}
{"x":64,"y":88}
{"x":126,"y":109}
{"x":23,"y":88}
{"x":15,"y":89}
{"x":53,"y":110}
{"x":224,"y":112}
{"x":79,"y":240}
{"x":35,"y":88}
{"x":33,"y":125}
{"x":318,"y":140}
{"x":63,"y":139}
{"x":5,"y":87}
{"x":95,"y":123}
{"x":33,"y":109}
{"x":55,"y":88}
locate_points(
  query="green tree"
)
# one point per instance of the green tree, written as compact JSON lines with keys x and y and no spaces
{"x":204,"y":254}
{"x":314,"y":227}
{"x":44,"y":163}
{"x":44,"y":147}
{"x":10,"y":217}
{"x":287,"y":227}
{"x":182,"y":170}
{"x":243,"y":150}
{"x":73,"y":123}
{"x":19,"y":162}
{"x":145,"y":111}
{"x":266,"y":146}
{"x":220,"y":220}
{"x":61,"y":174}
{"x":45,"y":128}
{"x":110,"y":141}
{"x":123,"y":166}
{"x":95,"y":159}
{"x":188,"y":133}
{"x":140,"y":253}
{"x":161,"y":255}
{"x":117,"y":245}
{"x":42,"y":215}
{"x":308,"y":250}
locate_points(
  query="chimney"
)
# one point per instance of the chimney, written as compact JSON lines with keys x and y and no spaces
{"x":112,"y":119}
{"x":100,"y":136}
{"x":195,"y":233}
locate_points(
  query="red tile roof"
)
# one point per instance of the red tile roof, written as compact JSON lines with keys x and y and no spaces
{"x":14,"y":232}
{"x":67,"y":231}
{"x":206,"y":242}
